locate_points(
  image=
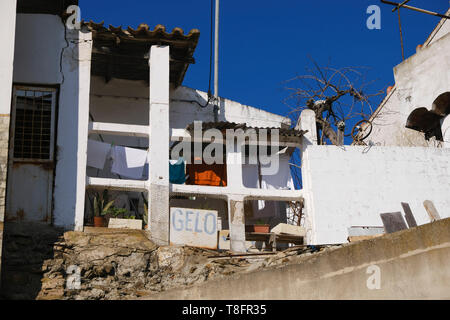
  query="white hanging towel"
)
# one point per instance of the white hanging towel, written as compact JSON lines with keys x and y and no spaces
{"x":97,"y":153}
{"x":280,"y":181}
{"x":129,"y":162}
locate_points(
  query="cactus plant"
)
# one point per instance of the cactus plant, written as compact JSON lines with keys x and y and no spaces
{"x":101,"y":204}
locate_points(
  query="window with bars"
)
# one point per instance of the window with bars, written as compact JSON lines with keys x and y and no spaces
{"x":34,"y":123}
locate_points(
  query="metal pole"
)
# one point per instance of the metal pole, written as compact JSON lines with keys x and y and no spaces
{"x":401,"y":5}
{"x":401,"y":34}
{"x":416,"y":9}
{"x":216,"y":53}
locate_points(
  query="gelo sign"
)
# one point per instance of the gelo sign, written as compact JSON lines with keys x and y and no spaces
{"x":193,"y":227}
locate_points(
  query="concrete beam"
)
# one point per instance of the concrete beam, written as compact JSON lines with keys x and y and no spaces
{"x":231,"y":191}
{"x":117,"y":185}
{"x":126,"y":130}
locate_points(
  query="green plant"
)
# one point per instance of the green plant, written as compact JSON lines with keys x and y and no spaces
{"x":145,"y":216}
{"x":102,"y":204}
{"x":260,"y":222}
{"x":116,"y":212}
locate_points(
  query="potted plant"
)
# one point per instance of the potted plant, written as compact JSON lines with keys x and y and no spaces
{"x":260,"y":227}
{"x":101,"y":207}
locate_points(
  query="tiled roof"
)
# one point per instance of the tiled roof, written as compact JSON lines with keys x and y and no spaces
{"x":123,"y":53}
{"x":143,"y":32}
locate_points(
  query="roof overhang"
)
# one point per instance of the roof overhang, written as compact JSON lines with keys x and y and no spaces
{"x":55,"y":7}
{"x":123,"y":54}
{"x":286,"y":136}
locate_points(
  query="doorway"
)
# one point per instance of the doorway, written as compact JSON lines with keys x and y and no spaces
{"x":31,"y":161}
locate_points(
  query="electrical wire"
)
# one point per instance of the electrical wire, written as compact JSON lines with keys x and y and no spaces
{"x":211,"y":40}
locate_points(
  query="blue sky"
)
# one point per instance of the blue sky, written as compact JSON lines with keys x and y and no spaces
{"x":264,"y":43}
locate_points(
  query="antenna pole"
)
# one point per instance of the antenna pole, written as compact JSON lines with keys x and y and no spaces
{"x":216,"y":65}
{"x":216,"y":53}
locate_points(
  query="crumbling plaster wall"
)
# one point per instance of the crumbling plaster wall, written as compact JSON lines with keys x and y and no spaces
{"x":352,"y":186}
{"x":419,"y":80}
{"x":48,"y":55}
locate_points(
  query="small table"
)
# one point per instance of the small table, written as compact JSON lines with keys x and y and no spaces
{"x":271,"y":239}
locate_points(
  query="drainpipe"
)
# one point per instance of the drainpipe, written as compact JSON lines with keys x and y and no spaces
{"x":216,"y":64}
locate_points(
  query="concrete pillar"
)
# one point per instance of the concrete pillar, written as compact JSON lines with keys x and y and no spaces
{"x":73,"y":121}
{"x":307,"y":121}
{"x":159,"y":144}
{"x":236,"y":216}
{"x":7,"y":34}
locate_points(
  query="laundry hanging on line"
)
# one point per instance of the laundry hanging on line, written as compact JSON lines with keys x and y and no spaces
{"x":207,"y":175}
{"x":97,"y":154}
{"x":129,"y":162}
{"x":280,"y":181}
{"x":177,"y":171}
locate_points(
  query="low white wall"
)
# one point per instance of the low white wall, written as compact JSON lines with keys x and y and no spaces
{"x":352,"y":186}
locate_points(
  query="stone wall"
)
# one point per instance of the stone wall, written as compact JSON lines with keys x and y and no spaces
{"x":112,"y":264}
{"x":411,"y":264}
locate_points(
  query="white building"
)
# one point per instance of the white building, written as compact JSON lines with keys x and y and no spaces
{"x":123,"y":87}
{"x":416,"y":108}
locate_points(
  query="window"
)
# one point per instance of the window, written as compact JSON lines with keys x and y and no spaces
{"x":33,"y":119}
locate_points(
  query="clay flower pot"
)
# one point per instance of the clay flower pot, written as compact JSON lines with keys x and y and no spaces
{"x":99,"y":222}
{"x":259,"y":228}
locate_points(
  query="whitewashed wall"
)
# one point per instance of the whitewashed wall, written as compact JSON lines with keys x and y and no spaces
{"x":352,"y":186}
{"x":419,"y":80}
{"x":39,"y":44}
{"x":126,"y":101}
{"x":441,"y":30}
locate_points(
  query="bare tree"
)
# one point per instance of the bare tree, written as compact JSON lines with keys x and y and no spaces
{"x":337,"y":96}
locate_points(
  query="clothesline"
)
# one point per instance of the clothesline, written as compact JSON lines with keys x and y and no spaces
{"x":127,"y":162}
